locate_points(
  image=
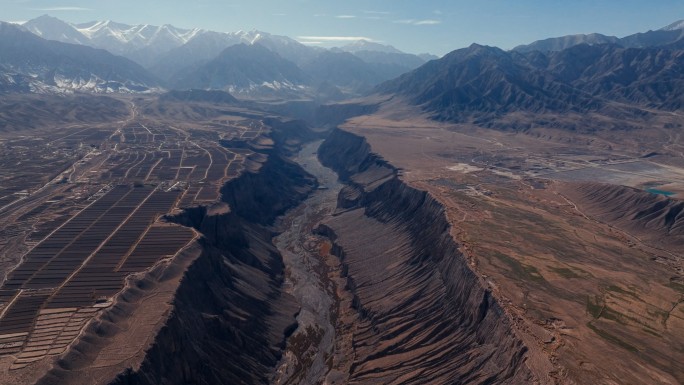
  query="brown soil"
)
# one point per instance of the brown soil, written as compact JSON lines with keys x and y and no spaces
{"x":594,"y":289}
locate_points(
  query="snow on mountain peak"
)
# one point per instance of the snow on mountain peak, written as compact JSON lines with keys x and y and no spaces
{"x":674,"y":26}
{"x":139,"y":35}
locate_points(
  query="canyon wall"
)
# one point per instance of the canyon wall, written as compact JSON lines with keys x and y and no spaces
{"x":423,"y":315}
{"x":419,"y":314}
{"x":230,"y":317}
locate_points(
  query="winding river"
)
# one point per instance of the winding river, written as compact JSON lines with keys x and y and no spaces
{"x":310,"y":349}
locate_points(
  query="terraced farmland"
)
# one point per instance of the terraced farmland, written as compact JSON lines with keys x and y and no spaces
{"x":86,"y":212}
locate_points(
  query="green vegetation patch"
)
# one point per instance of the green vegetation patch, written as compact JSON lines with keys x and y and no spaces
{"x":652,"y":332}
{"x":612,"y":339}
{"x":611,"y":314}
{"x":520,"y":270}
{"x":676,"y":286}
{"x":617,"y":289}
{"x":568,"y":273}
{"x":595,"y":306}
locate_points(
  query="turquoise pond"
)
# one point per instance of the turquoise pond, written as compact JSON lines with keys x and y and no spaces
{"x":660,"y":192}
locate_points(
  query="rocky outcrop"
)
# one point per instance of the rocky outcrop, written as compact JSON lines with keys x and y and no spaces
{"x":424,"y":316}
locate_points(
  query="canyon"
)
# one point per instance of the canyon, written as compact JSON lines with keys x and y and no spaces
{"x":375,"y":246}
{"x":491,"y":217}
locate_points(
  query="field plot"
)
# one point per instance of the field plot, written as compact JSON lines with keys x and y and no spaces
{"x":81,"y":209}
{"x":200,"y":160}
{"x":85,"y":262}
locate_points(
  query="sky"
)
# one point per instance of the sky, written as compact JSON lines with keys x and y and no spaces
{"x":416,"y":26}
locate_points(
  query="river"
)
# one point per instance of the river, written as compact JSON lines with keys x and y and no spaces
{"x":308,"y":358}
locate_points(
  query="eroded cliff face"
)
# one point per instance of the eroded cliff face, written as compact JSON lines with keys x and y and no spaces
{"x":417,"y":314}
{"x":230,"y":316}
{"x":423,"y":316}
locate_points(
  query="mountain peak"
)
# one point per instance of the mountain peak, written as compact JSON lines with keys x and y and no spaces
{"x":45,"y":16}
{"x":48,"y":66}
{"x":480,"y":50}
{"x":52,"y":28}
{"x":243,"y":68}
{"x":674,"y":26}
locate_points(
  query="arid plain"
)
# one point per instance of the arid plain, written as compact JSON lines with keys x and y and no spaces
{"x":593,"y":290}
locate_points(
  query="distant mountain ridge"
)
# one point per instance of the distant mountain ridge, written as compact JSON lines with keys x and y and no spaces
{"x":31,"y":64}
{"x":140,"y":43}
{"x":484,"y":80}
{"x":572,"y":73}
{"x":244,"y":67}
{"x":174,"y":54}
{"x":671,"y":34}
{"x":485,"y":83}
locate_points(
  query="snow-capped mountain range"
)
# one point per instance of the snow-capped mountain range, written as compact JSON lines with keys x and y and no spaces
{"x":115,"y":37}
{"x":140,"y":43}
{"x":145,"y":58}
{"x":153,"y":46}
{"x":30,"y":64}
{"x":147,"y":44}
{"x":103,"y":32}
{"x":177,"y":57}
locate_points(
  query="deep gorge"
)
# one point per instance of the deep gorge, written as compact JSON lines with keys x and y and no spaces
{"x":418,"y":314}
{"x":424,"y":317}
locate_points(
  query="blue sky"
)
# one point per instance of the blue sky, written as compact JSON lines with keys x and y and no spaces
{"x":435,"y":26}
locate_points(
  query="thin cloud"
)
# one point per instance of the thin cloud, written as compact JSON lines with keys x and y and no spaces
{"x":419,"y":22}
{"x":345,"y":17}
{"x":428,"y":22}
{"x":62,"y":9}
{"x":376,"y":15}
{"x":327,"y":39}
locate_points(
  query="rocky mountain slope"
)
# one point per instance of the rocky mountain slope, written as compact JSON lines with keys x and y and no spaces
{"x":485,"y":82}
